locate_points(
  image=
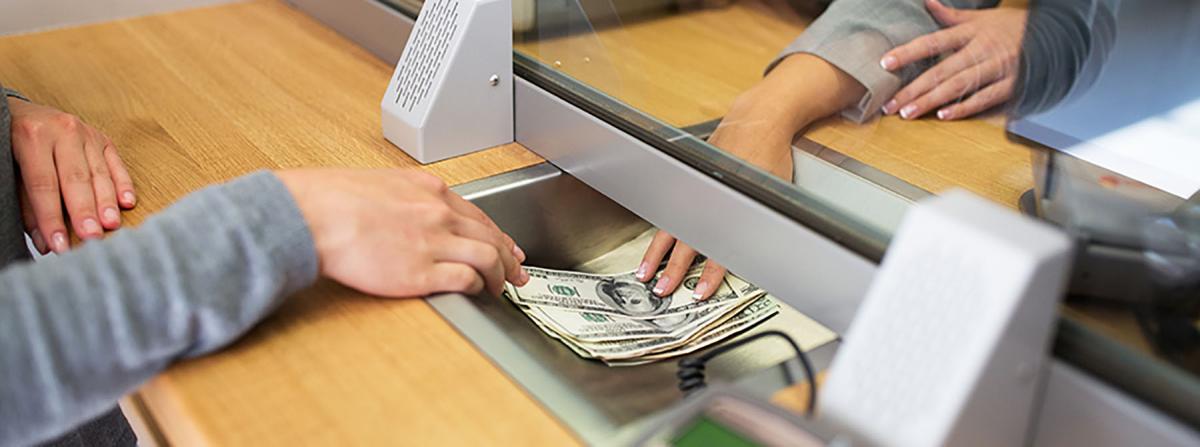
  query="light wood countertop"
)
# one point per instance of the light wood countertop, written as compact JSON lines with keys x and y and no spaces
{"x":202,"y":96}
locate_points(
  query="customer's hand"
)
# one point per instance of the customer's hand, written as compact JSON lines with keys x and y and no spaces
{"x":63,"y":161}
{"x":986,"y":46}
{"x":402,"y":233}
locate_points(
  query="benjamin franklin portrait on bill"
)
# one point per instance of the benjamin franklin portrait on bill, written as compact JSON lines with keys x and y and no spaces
{"x":631,"y":297}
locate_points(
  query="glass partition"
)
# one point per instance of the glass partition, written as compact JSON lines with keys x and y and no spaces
{"x":1082,"y":113}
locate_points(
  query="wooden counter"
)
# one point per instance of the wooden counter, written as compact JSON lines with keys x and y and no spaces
{"x":198,"y":97}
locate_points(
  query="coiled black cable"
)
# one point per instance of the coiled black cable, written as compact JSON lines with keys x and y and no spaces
{"x":691,"y":370}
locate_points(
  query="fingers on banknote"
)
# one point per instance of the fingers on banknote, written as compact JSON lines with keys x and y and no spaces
{"x":709,"y":280}
{"x":659,"y":246}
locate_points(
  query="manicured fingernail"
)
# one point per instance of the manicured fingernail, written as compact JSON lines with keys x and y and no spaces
{"x":524,"y":277}
{"x":643,"y":272}
{"x":128,"y":197}
{"x":890,"y":107}
{"x":58,"y":242}
{"x":701,"y":289}
{"x":518,"y":253}
{"x":660,"y":287}
{"x":91,"y":227}
{"x":38,"y":242}
{"x":908,"y":111}
{"x":943,"y":114}
{"x":888,"y":62}
{"x":112,"y":216}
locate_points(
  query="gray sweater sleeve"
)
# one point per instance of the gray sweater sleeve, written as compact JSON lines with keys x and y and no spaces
{"x":79,"y":330}
{"x":13,"y":93}
{"x":854,"y":34}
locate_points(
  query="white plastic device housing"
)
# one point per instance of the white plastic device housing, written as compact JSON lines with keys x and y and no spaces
{"x":452,"y":91}
{"x":951,"y":343}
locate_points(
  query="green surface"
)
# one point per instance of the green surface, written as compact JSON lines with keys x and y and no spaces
{"x":707,"y":433}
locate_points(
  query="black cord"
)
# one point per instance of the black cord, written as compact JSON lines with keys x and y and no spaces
{"x":691,"y":370}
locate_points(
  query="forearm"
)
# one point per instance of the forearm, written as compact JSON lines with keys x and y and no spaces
{"x":801,"y":89}
{"x":763,"y":120}
{"x":79,"y":330}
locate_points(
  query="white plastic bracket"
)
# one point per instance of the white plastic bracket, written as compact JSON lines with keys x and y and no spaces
{"x":452,"y":91}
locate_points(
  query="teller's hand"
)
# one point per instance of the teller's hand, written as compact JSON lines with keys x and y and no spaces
{"x":751,"y":135}
{"x":759,"y":129}
{"x":986,"y":45}
{"x":64,"y":161}
{"x":681,"y":260}
{"x":402,"y":233}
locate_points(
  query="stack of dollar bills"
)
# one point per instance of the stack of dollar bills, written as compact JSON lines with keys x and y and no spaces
{"x":617,"y":319}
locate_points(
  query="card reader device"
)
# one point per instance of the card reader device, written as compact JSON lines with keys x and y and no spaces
{"x":951,"y":342}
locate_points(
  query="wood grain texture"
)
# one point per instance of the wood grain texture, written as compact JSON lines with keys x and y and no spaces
{"x":201,"y":96}
{"x":687,"y":68}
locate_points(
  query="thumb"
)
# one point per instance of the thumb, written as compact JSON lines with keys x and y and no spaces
{"x":946,"y":15}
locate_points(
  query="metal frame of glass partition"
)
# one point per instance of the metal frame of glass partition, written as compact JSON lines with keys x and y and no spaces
{"x":1168,"y":391}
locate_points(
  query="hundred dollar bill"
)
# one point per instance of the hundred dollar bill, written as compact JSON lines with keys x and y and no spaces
{"x":746,"y":319}
{"x":758,"y":310}
{"x":597,"y":327}
{"x":620,"y":294}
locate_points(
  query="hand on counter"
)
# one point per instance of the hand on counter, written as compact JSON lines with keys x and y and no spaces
{"x":63,"y":161}
{"x":402,"y":233}
{"x":759,"y":129}
{"x":985,"y":47}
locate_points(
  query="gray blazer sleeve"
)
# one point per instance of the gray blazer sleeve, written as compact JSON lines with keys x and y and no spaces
{"x":79,"y":330}
{"x":854,"y":34}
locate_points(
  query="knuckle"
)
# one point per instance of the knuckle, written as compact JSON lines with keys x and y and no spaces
{"x":39,"y":184}
{"x":76,"y":175}
{"x":957,"y":84}
{"x":678,"y":263}
{"x":462,"y":279}
{"x":433,"y":212}
{"x":27,"y":129}
{"x":67,"y":122}
{"x":99,"y":170}
{"x":490,"y":257}
{"x":441,"y":214}
{"x":428,"y":181}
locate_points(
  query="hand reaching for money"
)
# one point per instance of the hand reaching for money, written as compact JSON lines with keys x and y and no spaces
{"x":402,"y":233}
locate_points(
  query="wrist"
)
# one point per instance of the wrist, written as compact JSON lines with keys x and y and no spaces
{"x":805,"y":88}
{"x":778,"y":105}
{"x":14,"y":103}
{"x":298,"y":183}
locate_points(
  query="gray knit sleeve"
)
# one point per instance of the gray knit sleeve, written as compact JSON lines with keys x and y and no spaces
{"x":79,"y":330}
{"x":854,"y":34}
{"x":8,"y":92}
